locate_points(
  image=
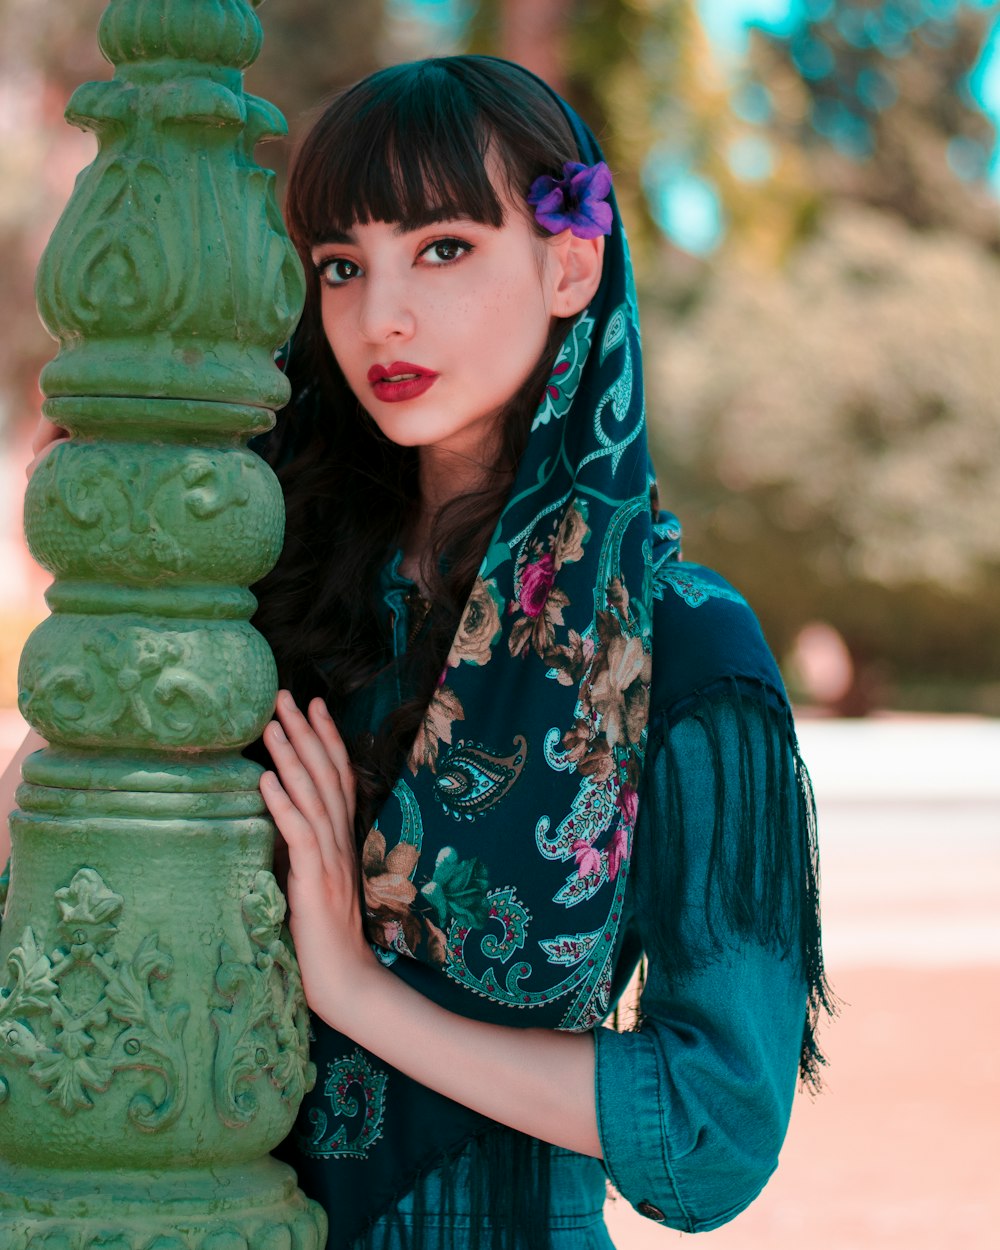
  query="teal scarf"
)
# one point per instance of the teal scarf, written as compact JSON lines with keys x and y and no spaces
{"x":496,"y":874}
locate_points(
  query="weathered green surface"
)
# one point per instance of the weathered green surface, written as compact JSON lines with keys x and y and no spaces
{"x":152,"y":1027}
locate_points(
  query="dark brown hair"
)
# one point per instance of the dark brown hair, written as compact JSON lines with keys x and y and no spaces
{"x":409,"y":139}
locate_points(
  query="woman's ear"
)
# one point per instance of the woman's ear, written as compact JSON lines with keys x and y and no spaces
{"x":579,"y":263}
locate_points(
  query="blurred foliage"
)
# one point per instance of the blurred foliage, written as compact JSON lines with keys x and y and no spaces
{"x":827,"y":390}
{"x":829,"y":433}
{"x":875,"y":93}
{"x":312,"y":48}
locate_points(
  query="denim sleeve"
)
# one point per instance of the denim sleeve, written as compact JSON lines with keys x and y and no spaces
{"x":693,"y":1105}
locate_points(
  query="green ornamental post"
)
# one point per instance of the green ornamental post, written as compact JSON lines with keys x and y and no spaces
{"x":153,"y":1042}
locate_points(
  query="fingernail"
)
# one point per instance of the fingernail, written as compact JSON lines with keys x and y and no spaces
{"x":278,"y":732}
{"x":321,"y":709}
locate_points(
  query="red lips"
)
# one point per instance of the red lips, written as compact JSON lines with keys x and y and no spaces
{"x":407,"y":387}
{"x":377,"y":372}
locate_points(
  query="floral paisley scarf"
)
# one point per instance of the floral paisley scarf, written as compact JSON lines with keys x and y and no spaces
{"x":497,"y":871}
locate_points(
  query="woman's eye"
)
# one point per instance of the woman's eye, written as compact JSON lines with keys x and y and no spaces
{"x":444,"y":251}
{"x":336,"y":271}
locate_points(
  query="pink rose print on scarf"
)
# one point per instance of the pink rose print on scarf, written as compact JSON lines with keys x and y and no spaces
{"x":538,"y":597}
{"x":536,"y":582}
{"x":628,"y":804}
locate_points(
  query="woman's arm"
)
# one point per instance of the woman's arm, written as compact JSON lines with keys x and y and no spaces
{"x":694,"y":1104}
{"x":9,"y":782}
{"x":539,"y":1081}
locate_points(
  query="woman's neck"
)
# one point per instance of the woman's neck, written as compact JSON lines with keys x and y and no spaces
{"x":444,"y":475}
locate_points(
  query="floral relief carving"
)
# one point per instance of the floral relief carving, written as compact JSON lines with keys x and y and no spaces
{"x":263,"y":1031}
{"x":135,"y":507}
{"x":129,"y":271}
{"x":303,"y":1227}
{"x":139,"y":682}
{"x":117,"y":277}
{"x":79,"y":1014}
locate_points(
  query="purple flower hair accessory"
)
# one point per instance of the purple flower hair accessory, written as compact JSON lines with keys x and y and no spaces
{"x":575,"y":202}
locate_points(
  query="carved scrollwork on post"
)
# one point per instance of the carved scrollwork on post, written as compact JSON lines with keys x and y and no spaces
{"x":78,"y":1015}
{"x":141,"y":513}
{"x":145,"y":684}
{"x":264,"y":1030}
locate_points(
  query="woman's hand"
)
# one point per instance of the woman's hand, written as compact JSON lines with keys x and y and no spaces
{"x":46,"y":437}
{"x":540,"y":1081}
{"x":312,"y":802}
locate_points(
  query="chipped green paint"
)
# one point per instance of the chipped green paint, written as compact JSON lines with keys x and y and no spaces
{"x":153,"y":1040}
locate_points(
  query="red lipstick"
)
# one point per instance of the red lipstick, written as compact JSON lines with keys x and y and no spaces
{"x":400,"y":380}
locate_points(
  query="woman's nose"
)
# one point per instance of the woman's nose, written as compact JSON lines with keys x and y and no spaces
{"x":385,"y":310}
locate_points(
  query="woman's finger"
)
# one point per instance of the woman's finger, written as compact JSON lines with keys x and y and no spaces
{"x":47,"y":432}
{"x":328,"y":733}
{"x":316,"y":754}
{"x":305,"y":856}
{"x":314,"y":807}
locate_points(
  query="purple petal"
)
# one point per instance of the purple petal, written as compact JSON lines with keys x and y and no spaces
{"x":587,"y":229}
{"x":540,"y":188}
{"x":600,"y":182}
{"x":551,"y":203}
{"x":593,"y":183}
{"x":599,"y":217}
{"x":556,"y":223}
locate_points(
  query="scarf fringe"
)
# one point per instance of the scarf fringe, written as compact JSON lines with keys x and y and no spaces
{"x":506,"y":1176}
{"x":763,"y":883}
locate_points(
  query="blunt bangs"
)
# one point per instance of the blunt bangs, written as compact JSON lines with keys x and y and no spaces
{"x":412,"y":144}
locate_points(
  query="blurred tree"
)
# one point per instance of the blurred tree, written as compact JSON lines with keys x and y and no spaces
{"x":830,"y":436}
{"x":875,"y":93}
{"x":829,"y":394}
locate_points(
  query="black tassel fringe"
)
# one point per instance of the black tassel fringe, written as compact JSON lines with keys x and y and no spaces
{"x":762,"y":885}
{"x":506,"y":1176}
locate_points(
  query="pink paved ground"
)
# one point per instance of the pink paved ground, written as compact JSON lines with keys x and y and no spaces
{"x":901,"y":1151}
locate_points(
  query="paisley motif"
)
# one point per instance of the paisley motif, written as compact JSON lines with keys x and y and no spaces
{"x":590,"y":816}
{"x":470,"y":780}
{"x":355,"y":1090}
{"x":566,"y":373}
{"x":684,"y":581}
{"x":615,"y":333}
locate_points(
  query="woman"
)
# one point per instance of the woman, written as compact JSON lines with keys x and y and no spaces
{"x":536,"y":746}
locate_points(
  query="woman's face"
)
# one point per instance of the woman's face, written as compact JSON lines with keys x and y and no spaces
{"x":436,"y":328}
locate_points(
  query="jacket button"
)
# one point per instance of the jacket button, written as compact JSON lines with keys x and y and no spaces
{"x":647,"y":1209}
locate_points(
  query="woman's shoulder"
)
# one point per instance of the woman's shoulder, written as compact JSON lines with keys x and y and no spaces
{"x":705,"y":634}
